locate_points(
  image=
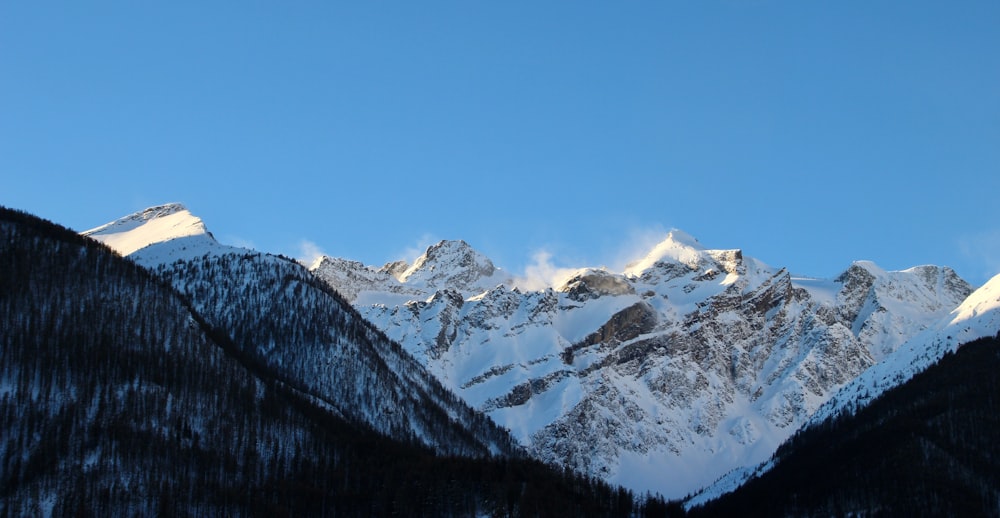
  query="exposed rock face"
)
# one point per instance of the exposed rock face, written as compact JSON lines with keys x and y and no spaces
{"x":592,"y":284}
{"x":450,"y":265}
{"x":352,"y":277}
{"x":395,"y":268}
{"x":875,"y":304}
{"x":689,"y":363}
{"x":627,"y":324}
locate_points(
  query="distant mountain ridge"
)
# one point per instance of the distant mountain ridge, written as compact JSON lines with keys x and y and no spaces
{"x":663,"y":377}
{"x":689,"y":363}
{"x":446,"y":265}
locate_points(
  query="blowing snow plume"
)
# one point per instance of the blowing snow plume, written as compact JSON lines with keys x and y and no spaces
{"x":309,"y":252}
{"x":542,"y":274}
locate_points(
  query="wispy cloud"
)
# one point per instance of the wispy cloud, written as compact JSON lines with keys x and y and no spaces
{"x":309,"y":252}
{"x":410,"y":253}
{"x":542,"y":273}
{"x":639,"y":241}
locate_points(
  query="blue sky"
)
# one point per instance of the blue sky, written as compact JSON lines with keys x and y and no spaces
{"x":809,"y":134}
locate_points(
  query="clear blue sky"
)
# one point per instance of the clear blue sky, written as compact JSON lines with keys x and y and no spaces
{"x":809,"y":134}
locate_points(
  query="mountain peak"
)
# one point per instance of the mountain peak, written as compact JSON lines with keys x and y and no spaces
{"x":677,"y":246}
{"x":975,"y":317}
{"x":169,"y":223}
{"x":448,"y":254}
{"x":682,"y":238}
{"x":453,"y":264}
{"x":446,"y":248}
{"x":137,"y":219}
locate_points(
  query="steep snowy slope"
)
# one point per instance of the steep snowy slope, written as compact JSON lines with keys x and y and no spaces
{"x":976,"y":317}
{"x":281,"y":315}
{"x":663,"y":377}
{"x":927,"y":447}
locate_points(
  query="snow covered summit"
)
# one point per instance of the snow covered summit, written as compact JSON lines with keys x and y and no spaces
{"x":158,"y":235}
{"x":455,"y":265}
{"x":677,"y":247}
{"x":978,"y":316}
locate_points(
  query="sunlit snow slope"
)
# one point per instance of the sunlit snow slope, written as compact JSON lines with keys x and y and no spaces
{"x":159,"y":235}
{"x":977,"y":317}
{"x":663,"y":377}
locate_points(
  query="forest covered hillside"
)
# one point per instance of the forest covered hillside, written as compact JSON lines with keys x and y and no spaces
{"x":119,"y":398}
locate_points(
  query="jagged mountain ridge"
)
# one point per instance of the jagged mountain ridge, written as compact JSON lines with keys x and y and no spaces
{"x":978,"y":316}
{"x":119,"y":399}
{"x":663,"y":377}
{"x":282,"y":316}
{"x":445,"y":265}
{"x":689,"y":363}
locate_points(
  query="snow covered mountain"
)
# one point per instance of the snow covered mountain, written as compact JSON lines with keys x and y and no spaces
{"x":663,"y":377}
{"x":283,"y":317}
{"x":978,"y":316}
{"x":159,"y":235}
{"x":685,"y":365}
{"x":447,"y":265}
{"x":118,"y":398}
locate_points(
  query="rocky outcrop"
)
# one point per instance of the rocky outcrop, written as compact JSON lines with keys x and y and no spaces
{"x":592,"y":284}
{"x":523,"y":392}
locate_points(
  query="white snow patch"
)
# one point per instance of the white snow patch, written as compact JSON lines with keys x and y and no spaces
{"x":823,"y":291}
{"x":159,"y":235}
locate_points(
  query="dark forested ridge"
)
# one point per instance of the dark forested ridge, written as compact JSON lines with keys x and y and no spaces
{"x":117,"y":397}
{"x":291,"y":324}
{"x":930,"y":447}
